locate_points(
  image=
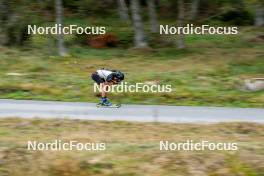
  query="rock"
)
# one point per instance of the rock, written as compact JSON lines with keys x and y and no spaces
{"x":254,"y":84}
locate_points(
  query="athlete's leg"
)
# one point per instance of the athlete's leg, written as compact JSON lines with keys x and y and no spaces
{"x":104,"y":87}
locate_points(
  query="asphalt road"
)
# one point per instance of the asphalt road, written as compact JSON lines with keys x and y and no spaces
{"x":141,"y":113}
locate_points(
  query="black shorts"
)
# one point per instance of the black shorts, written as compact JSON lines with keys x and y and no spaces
{"x":97,"y":78}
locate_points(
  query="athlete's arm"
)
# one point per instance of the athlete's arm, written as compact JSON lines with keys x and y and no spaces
{"x":110,"y":77}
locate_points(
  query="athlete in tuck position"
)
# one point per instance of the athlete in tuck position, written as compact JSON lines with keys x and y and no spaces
{"x":106,"y":78}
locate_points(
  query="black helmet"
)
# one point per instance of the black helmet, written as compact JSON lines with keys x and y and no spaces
{"x":119,"y":75}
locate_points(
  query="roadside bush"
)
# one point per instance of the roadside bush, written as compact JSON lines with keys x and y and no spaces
{"x":103,"y":41}
{"x":98,"y":41}
{"x":237,"y":17}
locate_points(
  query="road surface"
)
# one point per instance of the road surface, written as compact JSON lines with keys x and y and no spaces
{"x":141,"y":113}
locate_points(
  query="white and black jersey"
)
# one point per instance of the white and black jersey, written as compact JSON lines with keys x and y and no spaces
{"x":103,"y":75}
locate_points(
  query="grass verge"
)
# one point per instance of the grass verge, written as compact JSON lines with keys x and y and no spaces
{"x":210,"y":72}
{"x":132,"y":148}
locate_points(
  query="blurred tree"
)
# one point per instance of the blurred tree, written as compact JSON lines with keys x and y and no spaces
{"x":59,"y":19}
{"x":139,"y":35}
{"x":152,"y":16}
{"x":45,"y":12}
{"x":259,"y":15}
{"x":14,"y":18}
{"x":123,"y":11}
{"x":194,"y":9}
{"x":181,"y":43}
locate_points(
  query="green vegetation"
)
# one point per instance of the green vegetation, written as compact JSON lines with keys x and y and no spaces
{"x":132,"y":148}
{"x":209,"y":72}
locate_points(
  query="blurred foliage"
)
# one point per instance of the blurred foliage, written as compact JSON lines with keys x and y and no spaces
{"x":96,"y":8}
{"x":237,"y":17}
{"x":15,"y":16}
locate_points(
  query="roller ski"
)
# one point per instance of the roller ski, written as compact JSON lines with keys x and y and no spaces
{"x":99,"y":105}
{"x":105,"y":103}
